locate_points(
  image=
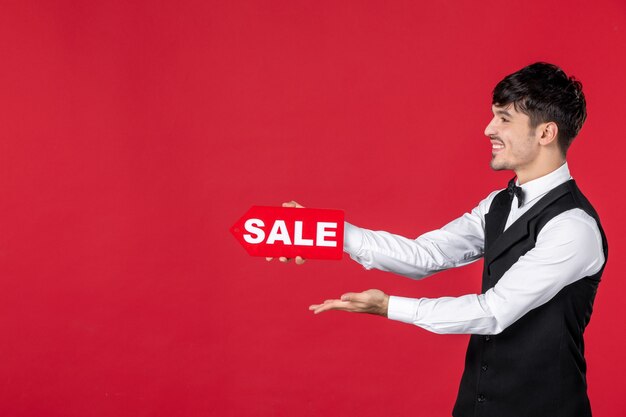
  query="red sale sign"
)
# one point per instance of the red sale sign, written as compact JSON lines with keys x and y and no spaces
{"x":290,"y":232}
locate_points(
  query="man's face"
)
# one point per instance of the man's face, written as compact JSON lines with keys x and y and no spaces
{"x":514,"y":144}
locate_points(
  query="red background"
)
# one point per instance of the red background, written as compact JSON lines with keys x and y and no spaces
{"x":135,"y":133}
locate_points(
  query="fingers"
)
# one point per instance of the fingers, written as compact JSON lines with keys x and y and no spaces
{"x":282,"y":259}
{"x":331,"y":305}
{"x":370,"y":301}
{"x":299,"y":260}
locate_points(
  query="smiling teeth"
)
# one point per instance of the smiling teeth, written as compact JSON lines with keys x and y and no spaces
{"x":495,"y":146}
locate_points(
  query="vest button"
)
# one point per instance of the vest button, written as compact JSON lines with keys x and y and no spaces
{"x":484,"y":367}
{"x":487,"y":338}
{"x":481,"y":398}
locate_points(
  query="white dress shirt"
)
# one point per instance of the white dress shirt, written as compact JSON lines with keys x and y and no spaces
{"x":568,"y":248}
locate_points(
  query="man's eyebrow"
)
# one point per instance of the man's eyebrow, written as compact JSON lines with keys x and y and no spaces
{"x":503,"y":113}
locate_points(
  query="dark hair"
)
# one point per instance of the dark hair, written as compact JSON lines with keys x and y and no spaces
{"x":545,"y":93}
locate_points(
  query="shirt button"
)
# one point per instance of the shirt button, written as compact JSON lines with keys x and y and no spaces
{"x":487,"y":338}
{"x":484,"y":367}
{"x":481,"y":398}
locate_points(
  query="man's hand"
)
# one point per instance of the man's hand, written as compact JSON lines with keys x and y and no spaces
{"x":370,"y":301}
{"x":299,"y":259}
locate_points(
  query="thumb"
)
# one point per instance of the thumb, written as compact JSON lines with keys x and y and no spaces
{"x":292,"y":203}
{"x":350,"y":296}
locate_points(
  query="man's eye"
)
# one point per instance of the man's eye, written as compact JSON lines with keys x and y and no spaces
{"x":503,"y":119}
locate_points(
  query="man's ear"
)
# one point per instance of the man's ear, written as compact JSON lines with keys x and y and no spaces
{"x":548,"y":133}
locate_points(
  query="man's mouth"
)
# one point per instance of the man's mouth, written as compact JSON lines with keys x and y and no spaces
{"x":496,"y":146}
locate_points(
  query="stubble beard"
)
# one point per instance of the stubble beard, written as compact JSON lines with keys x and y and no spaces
{"x":498,"y":166}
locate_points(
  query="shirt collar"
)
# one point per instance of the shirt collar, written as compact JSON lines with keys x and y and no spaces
{"x":540,"y":186}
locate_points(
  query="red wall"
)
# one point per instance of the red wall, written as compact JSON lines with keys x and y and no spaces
{"x":134,"y":133}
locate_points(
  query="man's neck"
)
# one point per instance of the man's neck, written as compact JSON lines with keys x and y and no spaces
{"x":527,"y":175}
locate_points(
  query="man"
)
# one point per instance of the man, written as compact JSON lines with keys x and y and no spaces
{"x":544,"y":252}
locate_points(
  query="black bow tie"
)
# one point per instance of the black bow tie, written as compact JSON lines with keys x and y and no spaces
{"x":517,"y":191}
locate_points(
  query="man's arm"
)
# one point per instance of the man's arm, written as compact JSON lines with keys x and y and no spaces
{"x":458,"y":243}
{"x":568,"y":248}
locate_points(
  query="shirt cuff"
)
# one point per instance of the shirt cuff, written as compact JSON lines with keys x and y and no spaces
{"x":352,"y":239}
{"x":403,"y":309}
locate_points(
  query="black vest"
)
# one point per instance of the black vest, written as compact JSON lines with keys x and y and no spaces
{"x":535,"y":367}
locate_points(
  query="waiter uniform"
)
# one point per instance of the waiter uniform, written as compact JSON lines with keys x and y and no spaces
{"x":544,"y":253}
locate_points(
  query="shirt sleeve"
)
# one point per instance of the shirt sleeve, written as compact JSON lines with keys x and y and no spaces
{"x":568,"y":248}
{"x":458,"y":243}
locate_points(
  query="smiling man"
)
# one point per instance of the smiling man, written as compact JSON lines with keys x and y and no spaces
{"x":544,"y":252}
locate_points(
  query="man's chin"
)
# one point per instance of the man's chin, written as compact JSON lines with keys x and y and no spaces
{"x":498,"y":166}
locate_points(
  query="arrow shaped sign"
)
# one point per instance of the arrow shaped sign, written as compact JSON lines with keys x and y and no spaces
{"x":290,"y":232}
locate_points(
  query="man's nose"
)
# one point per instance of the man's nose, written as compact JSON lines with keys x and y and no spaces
{"x":490,"y":130}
